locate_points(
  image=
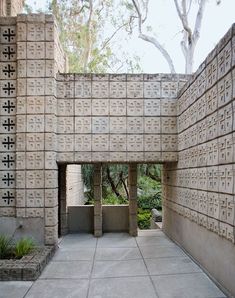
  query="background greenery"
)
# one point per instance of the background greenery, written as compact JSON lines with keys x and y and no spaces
{"x":115,"y":188}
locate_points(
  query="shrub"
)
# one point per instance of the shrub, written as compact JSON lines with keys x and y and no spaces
{"x":149,"y":193}
{"x":23,"y":247}
{"x":5,"y":246}
{"x":143,"y":218}
{"x":112,"y":199}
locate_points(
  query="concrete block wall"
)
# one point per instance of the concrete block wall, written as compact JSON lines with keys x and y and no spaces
{"x":200,"y":187}
{"x":8,"y":83}
{"x":29,"y":176}
{"x":49,"y":117}
{"x":117,"y":118}
{"x":37,"y":173}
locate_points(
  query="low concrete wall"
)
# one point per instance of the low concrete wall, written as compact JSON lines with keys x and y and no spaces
{"x":214,"y":253}
{"x":81,"y":218}
{"x":115,"y":218}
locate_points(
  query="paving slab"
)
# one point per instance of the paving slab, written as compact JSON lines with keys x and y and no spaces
{"x":114,"y":253}
{"x":73,"y":241}
{"x":116,"y":242}
{"x":155,"y":251}
{"x":150,"y":233}
{"x":53,"y":289}
{"x":116,"y":235}
{"x":76,"y":254}
{"x":129,"y":287}
{"x":171,"y":265}
{"x":14,"y":289}
{"x":119,"y":268}
{"x":196,"y":285}
{"x":73,"y":269}
{"x":161,"y":240}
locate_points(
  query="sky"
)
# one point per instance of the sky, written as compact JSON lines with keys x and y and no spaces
{"x":167,"y":27}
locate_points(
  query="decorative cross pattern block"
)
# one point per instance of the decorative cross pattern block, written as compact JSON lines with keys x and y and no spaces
{"x":8,"y":70}
{"x":8,"y":34}
{"x":7,"y":117}
{"x":8,"y":52}
{"x":7,"y":161}
{"x":8,"y":107}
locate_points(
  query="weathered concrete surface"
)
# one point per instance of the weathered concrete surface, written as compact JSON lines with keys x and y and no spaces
{"x":74,"y":186}
{"x":214,"y":253}
{"x":81,"y":219}
{"x":21,"y":227}
{"x":115,"y":218}
{"x":119,"y":270}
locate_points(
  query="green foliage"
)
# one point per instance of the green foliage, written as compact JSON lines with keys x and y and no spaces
{"x":111,"y":199}
{"x":143,"y":218}
{"x":23,"y":247}
{"x":88,"y":30}
{"x":148,"y":187}
{"x":149,"y":193}
{"x":87,"y":176}
{"x":5,"y":246}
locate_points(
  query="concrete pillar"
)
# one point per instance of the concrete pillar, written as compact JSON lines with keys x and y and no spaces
{"x":98,"y":200}
{"x":132,"y":184}
{"x":63,"y":211}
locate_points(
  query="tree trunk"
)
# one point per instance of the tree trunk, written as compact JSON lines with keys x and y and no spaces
{"x":124,"y":185}
{"x":189,"y":59}
{"x":114,"y":189}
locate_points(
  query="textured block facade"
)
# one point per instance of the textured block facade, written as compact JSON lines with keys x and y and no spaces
{"x":30,"y":58}
{"x":117,"y":118}
{"x":49,"y":118}
{"x":200,"y":186}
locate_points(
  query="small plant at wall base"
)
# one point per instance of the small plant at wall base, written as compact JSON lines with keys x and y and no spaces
{"x":6,"y":248}
{"x":11,"y":250}
{"x":23,"y":247}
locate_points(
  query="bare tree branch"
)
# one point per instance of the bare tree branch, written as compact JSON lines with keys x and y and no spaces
{"x":184,"y":18}
{"x":151,"y":39}
{"x":190,"y":37}
{"x":107,"y":41}
{"x":184,"y":46}
{"x":198,"y":23}
{"x":163,"y":51}
{"x":89,"y":37}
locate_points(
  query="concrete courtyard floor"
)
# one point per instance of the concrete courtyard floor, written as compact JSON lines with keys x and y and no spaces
{"x":117,"y":265}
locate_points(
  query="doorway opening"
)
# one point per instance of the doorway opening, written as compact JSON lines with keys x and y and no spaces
{"x":77,"y":196}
